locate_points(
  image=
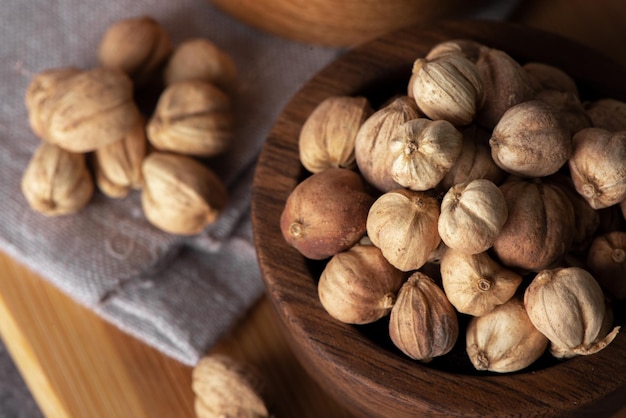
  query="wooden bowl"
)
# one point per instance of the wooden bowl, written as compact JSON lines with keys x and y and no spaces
{"x":341,"y":22}
{"x":358,"y":364}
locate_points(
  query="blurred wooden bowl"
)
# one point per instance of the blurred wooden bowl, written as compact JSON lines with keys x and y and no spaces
{"x":358,"y":365}
{"x":340,"y":22}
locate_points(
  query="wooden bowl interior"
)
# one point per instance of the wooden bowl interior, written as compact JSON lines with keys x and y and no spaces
{"x":359,"y":364}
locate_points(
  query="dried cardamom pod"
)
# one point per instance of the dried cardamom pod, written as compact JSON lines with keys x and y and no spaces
{"x":56,"y":181}
{"x":224,"y":387}
{"x":567,"y":306}
{"x":505,"y":83}
{"x":423,"y":324}
{"x":403,"y":224}
{"x":475,"y":284}
{"x":544,"y":76}
{"x":531,"y":140}
{"x":598,"y":166}
{"x":607,"y":113}
{"x":359,"y":286}
{"x":106,"y":186}
{"x":371,"y":147}
{"x":449,"y":87}
{"x":472,"y":216}
{"x":118,"y":165}
{"x":587,"y":218}
{"x":180,"y":195}
{"x":326,"y":213}
{"x":89,"y":110}
{"x":423,"y":151}
{"x":138,"y":46}
{"x":468,"y":48}
{"x":539,"y":228}
{"x":570,"y":108}
{"x":504,"y":340}
{"x":464,"y":47}
{"x":40,"y":90}
{"x":328,"y":135}
{"x":192,"y":118}
{"x":475,"y":161}
{"x":199,"y":59}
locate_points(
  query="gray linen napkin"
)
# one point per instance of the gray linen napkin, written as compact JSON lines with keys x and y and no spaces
{"x":177,"y":294}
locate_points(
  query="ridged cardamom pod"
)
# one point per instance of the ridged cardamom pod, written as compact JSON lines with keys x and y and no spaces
{"x":359,"y":286}
{"x":423,"y":324}
{"x":504,"y":340}
{"x":567,"y":306}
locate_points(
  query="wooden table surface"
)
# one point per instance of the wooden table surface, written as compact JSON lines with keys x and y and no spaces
{"x":77,"y":365}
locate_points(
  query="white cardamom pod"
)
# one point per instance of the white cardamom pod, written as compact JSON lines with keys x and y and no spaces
{"x":567,"y":306}
{"x":504,"y":340}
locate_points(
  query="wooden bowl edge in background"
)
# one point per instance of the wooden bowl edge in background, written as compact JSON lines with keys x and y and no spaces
{"x":340,"y":23}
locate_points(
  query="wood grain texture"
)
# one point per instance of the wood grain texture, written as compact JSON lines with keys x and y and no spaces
{"x":358,"y":364}
{"x":77,"y":365}
{"x":260,"y":341}
{"x":340,"y":22}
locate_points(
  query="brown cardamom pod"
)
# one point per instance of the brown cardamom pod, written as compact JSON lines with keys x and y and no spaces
{"x":423,"y":324}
